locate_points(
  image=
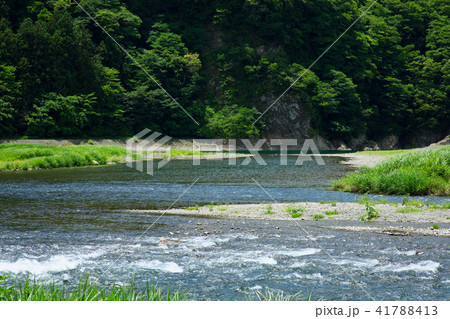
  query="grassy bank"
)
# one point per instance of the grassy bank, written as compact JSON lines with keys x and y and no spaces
{"x":415,"y":173}
{"x":26,"y":156}
{"x":33,"y":156}
{"x":86,"y":290}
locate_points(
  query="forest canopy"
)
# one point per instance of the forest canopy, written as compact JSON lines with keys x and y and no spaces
{"x":62,"y":76}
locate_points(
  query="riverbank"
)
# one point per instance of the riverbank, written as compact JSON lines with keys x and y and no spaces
{"x":360,"y":159}
{"x":408,"y":215}
{"x":417,"y":172}
{"x":37,"y":156}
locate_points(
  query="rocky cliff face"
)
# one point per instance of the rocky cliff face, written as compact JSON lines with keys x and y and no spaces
{"x":286,"y":119}
{"x":289,"y":119}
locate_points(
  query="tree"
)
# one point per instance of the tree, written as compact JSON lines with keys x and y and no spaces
{"x":9,"y":93}
{"x":62,"y":116}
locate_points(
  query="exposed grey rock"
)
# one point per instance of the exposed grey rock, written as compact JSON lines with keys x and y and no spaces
{"x":445,"y":141}
{"x":424,"y":139}
{"x":389,"y":142}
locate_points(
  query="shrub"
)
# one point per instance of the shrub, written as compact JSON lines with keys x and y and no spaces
{"x":318,"y":216}
{"x":371,"y":213}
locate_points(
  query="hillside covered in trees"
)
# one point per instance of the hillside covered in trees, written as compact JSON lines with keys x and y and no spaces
{"x":225,"y":62}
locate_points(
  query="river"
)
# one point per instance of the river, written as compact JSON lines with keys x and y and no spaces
{"x":62,"y":223}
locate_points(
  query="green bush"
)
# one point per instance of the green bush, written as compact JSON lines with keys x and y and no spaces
{"x":371,"y":213}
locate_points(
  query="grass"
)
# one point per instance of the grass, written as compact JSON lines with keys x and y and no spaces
{"x":296,"y":215}
{"x":408,"y":209}
{"x":318,"y":216}
{"x":412,"y":173}
{"x":443,"y":206}
{"x":406,"y":200}
{"x":174,"y":153}
{"x":334,"y":212}
{"x":435,"y":226}
{"x":210,"y":206}
{"x":280,"y":296}
{"x":269,"y":210}
{"x":384,"y":152}
{"x":86,"y":290}
{"x":32,"y":156}
{"x":196,"y":207}
{"x":332,"y":202}
{"x":365,"y":200}
{"x":293,"y":210}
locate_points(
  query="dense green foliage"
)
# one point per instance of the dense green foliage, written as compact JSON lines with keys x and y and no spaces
{"x":224,"y":62}
{"x":87,"y":290}
{"x":414,"y":173}
{"x":26,"y":156}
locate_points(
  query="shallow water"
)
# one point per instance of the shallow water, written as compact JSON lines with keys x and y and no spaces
{"x":235,"y":259}
{"x":59,"y":223}
{"x":120,"y":187}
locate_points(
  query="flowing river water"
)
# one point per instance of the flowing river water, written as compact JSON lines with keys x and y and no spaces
{"x":62,"y":223}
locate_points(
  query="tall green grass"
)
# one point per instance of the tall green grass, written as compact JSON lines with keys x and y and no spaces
{"x":86,"y":290}
{"x":412,"y":173}
{"x":25,"y":156}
